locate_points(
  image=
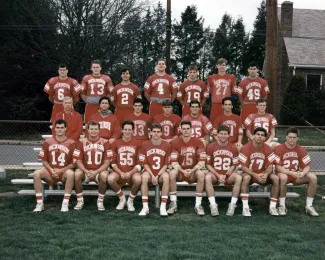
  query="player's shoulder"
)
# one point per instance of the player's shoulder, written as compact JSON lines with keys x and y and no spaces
{"x":152,"y":77}
{"x":267,"y":149}
{"x":87,"y":77}
{"x":211,"y":146}
{"x":176,"y":142}
{"x":176,"y":117}
{"x":106,"y":77}
{"x":246,"y":147}
{"x":53,"y":80}
{"x":212,"y":77}
{"x":261,"y":80}
{"x":280,"y":148}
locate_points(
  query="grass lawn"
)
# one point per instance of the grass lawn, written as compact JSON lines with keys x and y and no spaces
{"x":89,"y":234}
{"x":307,"y":136}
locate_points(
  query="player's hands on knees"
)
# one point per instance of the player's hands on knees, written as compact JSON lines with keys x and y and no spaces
{"x":221,"y":178}
{"x":154,"y":179}
{"x":55,"y":173}
{"x":187,"y":172}
{"x":263,"y":177}
{"x":299,"y":174}
{"x":111,"y":140}
{"x":239,"y":145}
{"x":92,"y":174}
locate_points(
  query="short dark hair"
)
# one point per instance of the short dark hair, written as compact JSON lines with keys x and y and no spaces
{"x":60,"y":122}
{"x":192,"y":67}
{"x":93,"y":123}
{"x":63,"y":65}
{"x":252,"y":64}
{"x":104,"y":98}
{"x":260,"y":100}
{"x":96,"y":62}
{"x":221,"y":61}
{"x":138,"y":100}
{"x":125,"y":70}
{"x":194,"y":101}
{"x":292,"y":130}
{"x":186,"y":123}
{"x":223,"y":128}
{"x":156,"y":125}
{"x":260,"y":129}
{"x":167,"y":103}
{"x":225,"y":99}
{"x":161,"y":59}
{"x":128,"y":122}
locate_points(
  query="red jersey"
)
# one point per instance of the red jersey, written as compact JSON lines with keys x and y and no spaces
{"x":160,"y":87}
{"x":156,"y":156}
{"x":201,"y":126}
{"x":266,"y":121}
{"x":170,"y":125}
{"x":221,"y":158}
{"x":142,"y":123}
{"x":96,"y":87}
{"x":293,"y":159}
{"x":91,"y":153}
{"x":257,"y":160}
{"x":57,"y":89}
{"x":124,"y":154}
{"x":57,"y":154}
{"x":74,"y":124}
{"x":192,"y":90}
{"x":251,"y":90}
{"x":124,"y":95}
{"x":233,"y":122}
{"x":221,"y":86}
{"x":187,"y":154}
{"x":109,"y":126}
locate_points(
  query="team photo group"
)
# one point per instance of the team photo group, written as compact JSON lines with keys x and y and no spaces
{"x":161,"y":148}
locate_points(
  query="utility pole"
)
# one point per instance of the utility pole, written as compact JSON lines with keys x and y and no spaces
{"x":271,"y":64}
{"x":168,"y":34}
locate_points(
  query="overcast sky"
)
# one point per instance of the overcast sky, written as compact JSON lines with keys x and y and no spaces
{"x":213,"y":10}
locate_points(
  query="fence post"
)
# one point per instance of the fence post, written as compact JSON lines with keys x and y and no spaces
{"x":2,"y":173}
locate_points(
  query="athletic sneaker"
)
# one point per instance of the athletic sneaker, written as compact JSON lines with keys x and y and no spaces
{"x":199,"y":210}
{"x":273,"y":212}
{"x":172,"y":207}
{"x":144,"y":212}
{"x":282,"y":210}
{"x":100,"y":205}
{"x":39,"y":207}
{"x":214,"y":210}
{"x":130,"y":205}
{"x":122,"y":203}
{"x":246,"y":212}
{"x":79,"y":206}
{"x":163,"y":212}
{"x":65,"y":207}
{"x":311,"y":211}
{"x":231,"y":209}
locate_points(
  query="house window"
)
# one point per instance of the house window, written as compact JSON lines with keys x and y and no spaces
{"x":314,"y":81}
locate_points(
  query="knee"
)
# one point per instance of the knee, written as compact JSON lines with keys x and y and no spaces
{"x":238,"y":179}
{"x":312,"y":178}
{"x":246,"y":178}
{"x":208,"y":178}
{"x":283,"y":178}
{"x":70,"y":174}
{"x":165,"y":178}
{"x":103,"y":176}
{"x":137,"y":180}
{"x":173,"y":175}
{"x":37,"y":175}
{"x":78,"y":175}
{"x":145,"y":178}
{"x":110,"y":179}
{"x":275,"y":180}
{"x":200,"y":176}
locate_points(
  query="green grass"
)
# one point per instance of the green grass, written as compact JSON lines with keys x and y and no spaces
{"x":89,"y":234}
{"x":307,"y":136}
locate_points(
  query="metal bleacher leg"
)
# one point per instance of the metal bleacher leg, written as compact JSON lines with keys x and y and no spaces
{"x":157,"y":196}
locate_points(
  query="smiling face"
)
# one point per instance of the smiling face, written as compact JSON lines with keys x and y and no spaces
{"x":125,"y":76}
{"x":161,"y":66}
{"x":127,"y":131}
{"x":223,"y":136}
{"x":93,"y":131}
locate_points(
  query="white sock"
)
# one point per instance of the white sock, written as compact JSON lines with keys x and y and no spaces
{"x":39,"y":197}
{"x":309,"y":202}
{"x":100,"y":197}
{"x":212,"y":200}
{"x":173,"y":196}
{"x":80,"y":197}
{"x":145,"y":202}
{"x":244,"y":198}
{"x":66,"y":198}
{"x":234,"y":200}
{"x":282,"y":201}
{"x":163,"y":202}
{"x":273,"y":202}
{"x":198,"y":199}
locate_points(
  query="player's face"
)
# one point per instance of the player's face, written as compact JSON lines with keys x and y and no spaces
{"x":125,"y":76}
{"x":186,"y":130}
{"x":227,"y":106}
{"x":161,"y":66}
{"x":261,"y":107}
{"x":192,"y":74}
{"x":195,"y":108}
{"x":60,"y":129}
{"x":96,"y":68}
{"x":168,"y":110}
{"x":259,"y":137}
{"x":127,"y":131}
{"x":223,"y":136}
{"x":67,"y":104}
{"x":222,"y":67}
{"x":156,"y":134}
{"x":252,"y":71}
{"x":292,"y":139}
{"x":93,"y":131}
{"x":104,"y":105}
{"x":63,"y":72}
{"x":137,"y":107}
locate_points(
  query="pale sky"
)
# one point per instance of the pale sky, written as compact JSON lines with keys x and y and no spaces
{"x":213,"y":10}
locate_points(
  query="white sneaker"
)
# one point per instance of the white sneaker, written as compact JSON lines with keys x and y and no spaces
{"x":65,"y":207}
{"x":100,"y":205}
{"x":39,"y":207}
{"x":200,"y":211}
{"x":246,"y":212}
{"x":311,"y":211}
{"x":231,"y":209}
{"x":214,"y":210}
{"x":144,"y":212}
{"x":130,"y":205}
{"x":282,"y":210}
{"x":122,"y":203}
{"x":79,"y":206}
{"x":163,"y":212}
{"x":172,"y":207}
{"x":273,"y":212}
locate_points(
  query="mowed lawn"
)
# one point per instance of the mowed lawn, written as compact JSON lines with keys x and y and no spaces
{"x":307,"y":136}
{"x":89,"y":234}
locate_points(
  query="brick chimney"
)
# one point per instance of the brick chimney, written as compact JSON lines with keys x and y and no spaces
{"x":286,"y":18}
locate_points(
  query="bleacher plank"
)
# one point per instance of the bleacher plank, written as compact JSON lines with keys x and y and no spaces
{"x":37,"y":149}
{"x":35,"y":165}
{"x":49,"y":136}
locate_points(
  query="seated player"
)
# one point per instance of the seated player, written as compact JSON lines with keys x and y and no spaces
{"x":232,"y":121}
{"x":73,"y":119}
{"x":188,"y":158}
{"x":110,"y":128}
{"x":201,"y":126}
{"x":56,"y":156}
{"x":261,"y":119}
{"x":293,"y":166}
{"x":154,"y":156}
{"x":124,"y":161}
{"x":92,"y":161}
{"x":142,"y":121}
{"x":169,"y":122}
{"x":222,"y":159}
{"x":256,"y":159}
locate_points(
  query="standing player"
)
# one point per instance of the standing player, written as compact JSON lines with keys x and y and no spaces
{"x":261,"y":119}
{"x":154,"y":156}
{"x":159,"y":87}
{"x":232,"y":121}
{"x":220,"y":85}
{"x":169,"y":122}
{"x":123,"y":96}
{"x":124,"y":160}
{"x":201,"y":126}
{"x":73,"y":119}
{"x":250,"y":90}
{"x":110,"y":128}
{"x":293,"y":166}
{"x":192,"y":89}
{"x":95,"y":86}
{"x":56,"y":156}
{"x":256,"y":159}
{"x":188,"y":157}
{"x":59,"y":87}
{"x":222,"y":159}
{"x":142,"y":121}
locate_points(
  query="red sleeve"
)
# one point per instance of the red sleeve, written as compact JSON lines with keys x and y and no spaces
{"x":209,"y":154}
{"x":265,"y":89}
{"x":233,"y":85}
{"x":278,"y":156}
{"x":181,"y":92}
{"x":208,"y":128}
{"x":78,"y":126}
{"x":142,"y":156}
{"x":205,"y":91}
{"x":43,"y":154}
{"x":173,"y":84}
{"x":273,"y":122}
{"x":175,"y":151}
{"x":78,"y":151}
{"x":240,"y":89}
{"x":200,"y":152}
{"x":304,"y":158}
{"x":111,"y":153}
{"x":270,"y":157}
{"x":248,"y":123}
{"x":48,"y":88}
{"x":235,"y":160}
{"x":117,"y":129}
{"x":84,"y":85}
{"x":147,"y":86}
{"x":167,"y":155}
{"x":244,"y":156}
{"x":239,"y":126}
{"x":137,"y":93}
